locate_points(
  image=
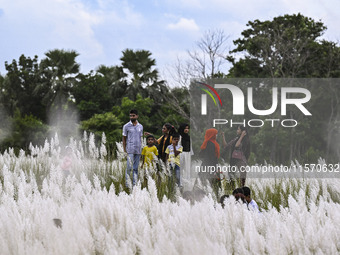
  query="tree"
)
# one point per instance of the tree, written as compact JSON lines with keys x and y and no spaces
{"x":115,"y":79}
{"x":24,"y":130}
{"x":205,"y":61}
{"x":92,"y":95}
{"x":1,"y":81}
{"x":210,"y":55}
{"x":176,"y":110}
{"x":59,"y":70}
{"x":106,"y":123}
{"x":289,"y":46}
{"x":143,"y":105}
{"x":141,"y":76}
{"x":18,"y":88}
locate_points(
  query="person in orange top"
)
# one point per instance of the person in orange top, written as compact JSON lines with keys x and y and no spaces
{"x":209,"y":154}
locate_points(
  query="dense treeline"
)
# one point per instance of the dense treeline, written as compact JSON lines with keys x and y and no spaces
{"x":291,"y":46}
{"x":36,"y":95}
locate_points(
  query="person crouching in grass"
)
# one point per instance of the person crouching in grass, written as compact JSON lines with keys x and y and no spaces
{"x":173,"y":152}
{"x":149,"y":152}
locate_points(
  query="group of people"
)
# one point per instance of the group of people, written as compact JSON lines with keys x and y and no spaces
{"x":242,"y":195}
{"x":174,"y":148}
{"x":211,"y":152}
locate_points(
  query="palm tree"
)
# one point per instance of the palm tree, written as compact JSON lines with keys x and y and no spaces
{"x":115,"y":80}
{"x":59,"y":70}
{"x":138,"y":67}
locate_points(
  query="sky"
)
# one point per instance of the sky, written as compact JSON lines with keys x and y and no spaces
{"x":99,"y":30}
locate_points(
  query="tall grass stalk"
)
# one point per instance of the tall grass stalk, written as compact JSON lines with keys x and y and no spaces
{"x":99,"y":215}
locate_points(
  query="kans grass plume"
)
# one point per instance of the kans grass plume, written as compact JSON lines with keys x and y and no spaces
{"x":95,"y":215}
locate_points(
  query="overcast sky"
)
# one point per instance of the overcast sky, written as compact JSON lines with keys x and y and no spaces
{"x":99,"y":30}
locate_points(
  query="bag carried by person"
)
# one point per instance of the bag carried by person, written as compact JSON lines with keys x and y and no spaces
{"x":237,"y":154}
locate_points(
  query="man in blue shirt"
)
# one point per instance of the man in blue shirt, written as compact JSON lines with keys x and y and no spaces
{"x":132,"y":144}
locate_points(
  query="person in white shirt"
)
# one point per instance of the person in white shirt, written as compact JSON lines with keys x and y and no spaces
{"x":132,"y":144}
{"x":251,"y":204}
{"x":173,"y":152}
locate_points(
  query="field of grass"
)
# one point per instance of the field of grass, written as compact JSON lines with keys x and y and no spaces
{"x":92,"y":212}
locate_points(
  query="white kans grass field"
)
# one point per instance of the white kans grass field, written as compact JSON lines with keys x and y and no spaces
{"x":299,"y":216}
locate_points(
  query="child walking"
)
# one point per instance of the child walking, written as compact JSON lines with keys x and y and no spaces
{"x":173,"y":152}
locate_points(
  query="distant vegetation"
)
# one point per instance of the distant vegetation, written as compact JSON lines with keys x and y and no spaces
{"x":37,"y":95}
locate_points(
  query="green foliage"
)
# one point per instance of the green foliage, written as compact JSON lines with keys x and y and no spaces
{"x":59,"y":70}
{"x":290,"y":46}
{"x":286,"y":46}
{"x":61,"y":63}
{"x":18,"y":88}
{"x":142,"y":105}
{"x":92,"y":95}
{"x":141,"y":76}
{"x":312,"y":155}
{"x":178,"y":105}
{"x":55,"y":83}
{"x":139,"y":63}
{"x":106,"y":123}
{"x":112,"y":175}
{"x":114,"y":77}
{"x":171,"y":116}
{"x":25,"y":130}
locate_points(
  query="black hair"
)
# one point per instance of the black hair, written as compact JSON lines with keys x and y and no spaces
{"x":236,"y":193}
{"x":175,"y":135}
{"x":245,"y":144}
{"x":171,"y":128}
{"x":238,"y":190}
{"x":182,"y":127}
{"x":222,"y":199}
{"x":246,"y":191}
{"x":150,"y":136}
{"x":185,"y":142}
{"x":134,"y":111}
{"x":165,"y":141}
